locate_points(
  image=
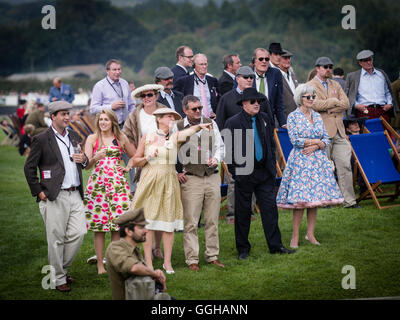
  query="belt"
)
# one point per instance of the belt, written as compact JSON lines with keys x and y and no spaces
{"x":192,"y":174}
{"x":70,"y":189}
{"x":374,"y":106}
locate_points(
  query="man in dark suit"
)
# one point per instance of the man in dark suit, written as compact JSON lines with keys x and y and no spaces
{"x":290,"y":82}
{"x":256,"y":174}
{"x":168,"y":97}
{"x":57,"y":154}
{"x":184,"y":60}
{"x":269,"y":82}
{"x":227,"y":80}
{"x":201,"y":85}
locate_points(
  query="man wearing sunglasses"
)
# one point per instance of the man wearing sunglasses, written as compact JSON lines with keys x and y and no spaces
{"x":268,"y":81}
{"x":331,"y":102}
{"x":256,"y":174}
{"x":369,"y":90}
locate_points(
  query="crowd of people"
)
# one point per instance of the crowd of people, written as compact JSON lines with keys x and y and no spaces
{"x":168,"y":135}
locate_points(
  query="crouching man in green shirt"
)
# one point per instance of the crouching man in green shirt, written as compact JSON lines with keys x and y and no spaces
{"x":126,"y":266}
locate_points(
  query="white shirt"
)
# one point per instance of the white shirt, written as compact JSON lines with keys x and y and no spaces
{"x":147,"y":122}
{"x":71,"y":178}
{"x":265,"y":83}
{"x":169,"y":98}
{"x":197,"y":93}
{"x":290,"y":80}
{"x":230,"y":74}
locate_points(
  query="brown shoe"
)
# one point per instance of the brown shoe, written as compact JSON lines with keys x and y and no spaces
{"x":217,"y":263}
{"x":194,"y":267}
{"x":63,"y":288}
{"x":69,"y":279}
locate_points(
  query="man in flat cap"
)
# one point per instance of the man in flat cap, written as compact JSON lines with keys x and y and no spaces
{"x":290,"y":82}
{"x":59,"y":190}
{"x":168,"y":97}
{"x":331,"y":102}
{"x":126,"y":266}
{"x":369,"y":90}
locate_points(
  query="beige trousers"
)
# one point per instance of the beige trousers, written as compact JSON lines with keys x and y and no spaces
{"x":201,"y":193}
{"x":339,"y":151}
{"x":65,"y":223}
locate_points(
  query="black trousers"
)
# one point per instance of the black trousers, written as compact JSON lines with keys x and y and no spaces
{"x":263,"y":185}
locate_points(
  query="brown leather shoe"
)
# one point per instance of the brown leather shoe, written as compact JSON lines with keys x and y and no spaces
{"x":217,"y":263}
{"x":63,"y":288}
{"x":69,"y":279}
{"x":194,"y":267}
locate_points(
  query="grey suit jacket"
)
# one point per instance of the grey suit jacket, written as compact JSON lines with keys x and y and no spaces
{"x":287,"y":95}
{"x":351,"y":89}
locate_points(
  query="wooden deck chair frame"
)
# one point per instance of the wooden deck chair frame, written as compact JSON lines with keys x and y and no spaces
{"x":11,"y":138}
{"x":281,"y":161}
{"x":370,"y":193}
{"x":89,"y":122}
{"x":79,"y":129}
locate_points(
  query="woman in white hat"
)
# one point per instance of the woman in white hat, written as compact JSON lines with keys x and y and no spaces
{"x":158,"y":188}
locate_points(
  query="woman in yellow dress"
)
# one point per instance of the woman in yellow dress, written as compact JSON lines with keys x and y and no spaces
{"x":158,"y":190}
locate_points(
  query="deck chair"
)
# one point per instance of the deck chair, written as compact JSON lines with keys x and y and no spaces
{"x":374,"y":125}
{"x":10,"y":138}
{"x":283,"y":146}
{"x":80,"y":129}
{"x":373,"y":159}
{"x":17,"y":124}
{"x":88,"y":122}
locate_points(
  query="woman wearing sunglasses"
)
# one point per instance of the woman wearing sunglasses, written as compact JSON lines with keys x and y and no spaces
{"x":140,"y":122}
{"x":308,"y":181}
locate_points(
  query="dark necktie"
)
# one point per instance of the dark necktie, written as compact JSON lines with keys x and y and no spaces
{"x":257,"y":140}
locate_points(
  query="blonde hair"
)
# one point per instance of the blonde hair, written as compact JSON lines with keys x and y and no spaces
{"x":29,"y":128}
{"x":114,"y":126}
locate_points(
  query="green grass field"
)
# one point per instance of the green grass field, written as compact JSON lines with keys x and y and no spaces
{"x":367,"y":239}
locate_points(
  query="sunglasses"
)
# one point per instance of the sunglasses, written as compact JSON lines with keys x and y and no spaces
{"x":149,"y":95}
{"x":310,"y":97}
{"x":366,"y":59}
{"x":248,"y":77}
{"x":329,"y":66}
{"x":197,"y":109}
{"x":253,"y":101}
{"x":263,"y":58}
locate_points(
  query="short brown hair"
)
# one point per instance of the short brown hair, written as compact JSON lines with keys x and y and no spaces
{"x":180,"y":52}
{"x":109,"y":62}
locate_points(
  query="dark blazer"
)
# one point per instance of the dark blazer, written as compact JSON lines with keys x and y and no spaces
{"x":228,"y":107}
{"x":275,"y":90}
{"x":288,"y":96}
{"x":351,"y":89}
{"x":178,"y":72}
{"x":177,"y":99}
{"x":225,"y":83}
{"x":46,"y":155}
{"x":186,"y":86}
{"x":242,"y":121}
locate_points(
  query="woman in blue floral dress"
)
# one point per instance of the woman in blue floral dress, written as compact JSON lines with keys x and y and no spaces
{"x":308,"y":181}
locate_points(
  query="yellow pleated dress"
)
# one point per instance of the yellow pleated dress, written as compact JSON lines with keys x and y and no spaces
{"x":158,"y":190}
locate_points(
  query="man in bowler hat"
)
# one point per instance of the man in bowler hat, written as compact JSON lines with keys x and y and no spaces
{"x":259,"y":153}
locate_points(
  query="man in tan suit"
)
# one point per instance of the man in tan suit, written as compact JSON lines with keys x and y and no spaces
{"x":200,"y":184}
{"x":331,"y":103}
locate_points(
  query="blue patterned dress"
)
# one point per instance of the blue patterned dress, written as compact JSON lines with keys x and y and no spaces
{"x":307,"y":181}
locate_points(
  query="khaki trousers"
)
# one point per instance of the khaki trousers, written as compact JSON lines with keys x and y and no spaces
{"x":339,"y":151}
{"x":201,"y":193}
{"x":65,"y":223}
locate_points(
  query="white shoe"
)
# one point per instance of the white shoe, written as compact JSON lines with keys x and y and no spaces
{"x":92,"y":260}
{"x":168,"y":271}
{"x":315,"y":243}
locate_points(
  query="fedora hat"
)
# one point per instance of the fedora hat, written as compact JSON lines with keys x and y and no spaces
{"x":162,"y":111}
{"x":147,"y":87}
{"x":275,"y":47}
{"x":250,"y":94}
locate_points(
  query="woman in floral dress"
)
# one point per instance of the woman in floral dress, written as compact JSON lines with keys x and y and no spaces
{"x":107,"y":193}
{"x":308,"y":181}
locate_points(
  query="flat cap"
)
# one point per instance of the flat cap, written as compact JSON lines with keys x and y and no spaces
{"x":364,"y":54}
{"x":286,"y":53}
{"x":135,"y":216}
{"x":163,"y":73}
{"x":245,"y":71}
{"x":56,"y":106}
{"x":323,"y":61}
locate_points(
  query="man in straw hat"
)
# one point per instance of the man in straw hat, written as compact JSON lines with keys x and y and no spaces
{"x":129,"y":275}
{"x":59,"y":190}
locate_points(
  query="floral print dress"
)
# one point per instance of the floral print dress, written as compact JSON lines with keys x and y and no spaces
{"x":107,"y":194}
{"x":307,"y":181}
